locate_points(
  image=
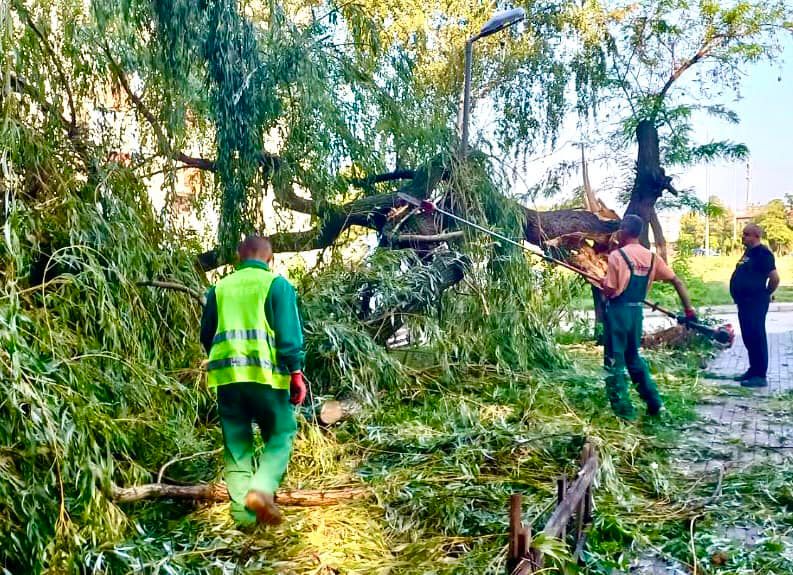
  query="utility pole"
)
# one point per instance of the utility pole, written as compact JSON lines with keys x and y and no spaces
{"x":748,"y":186}
{"x":734,"y":208}
{"x":707,"y":210}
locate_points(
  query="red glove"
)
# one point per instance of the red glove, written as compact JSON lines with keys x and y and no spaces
{"x":427,"y":206}
{"x":297,"y":388}
{"x":691,"y":314}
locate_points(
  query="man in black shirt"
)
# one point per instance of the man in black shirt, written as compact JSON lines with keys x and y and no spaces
{"x":754,"y":280}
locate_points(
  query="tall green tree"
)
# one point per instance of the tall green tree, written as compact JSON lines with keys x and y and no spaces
{"x":692,"y":231}
{"x":657,"y":63}
{"x":722,"y":233}
{"x":774,"y":221}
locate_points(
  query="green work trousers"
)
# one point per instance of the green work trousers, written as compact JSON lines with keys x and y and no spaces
{"x":239,"y":406}
{"x":625,"y":333}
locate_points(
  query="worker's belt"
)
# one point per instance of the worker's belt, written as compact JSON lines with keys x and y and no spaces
{"x":245,"y":334}
{"x":244,"y":361}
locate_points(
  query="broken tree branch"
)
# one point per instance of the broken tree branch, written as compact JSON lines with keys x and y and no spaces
{"x":197,"y":296}
{"x":421,"y":239}
{"x":217,"y":492}
{"x":57,"y":63}
{"x":368,"y":212}
{"x":543,"y":226}
{"x":369,"y":181}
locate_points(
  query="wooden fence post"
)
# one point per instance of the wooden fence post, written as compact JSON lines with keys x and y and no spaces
{"x":573,"y":500}
{"x":561,"y":492}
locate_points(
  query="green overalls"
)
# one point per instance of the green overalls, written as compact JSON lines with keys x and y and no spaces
{"x":624,"y":316}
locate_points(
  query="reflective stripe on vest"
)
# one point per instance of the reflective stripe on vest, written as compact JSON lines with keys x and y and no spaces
{"x":244,"y":334}
{"x":243,"y":349}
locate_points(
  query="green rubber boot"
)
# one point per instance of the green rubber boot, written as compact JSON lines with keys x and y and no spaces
{"x":619,"y":396}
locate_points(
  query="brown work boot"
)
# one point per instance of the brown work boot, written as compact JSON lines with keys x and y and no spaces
{"x":263,"y":505}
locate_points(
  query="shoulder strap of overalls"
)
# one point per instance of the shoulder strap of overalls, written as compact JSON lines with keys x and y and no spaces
{"x":627,"y":260}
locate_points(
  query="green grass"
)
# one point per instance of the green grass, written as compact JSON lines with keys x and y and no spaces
{"x":709,"y":284}
{"x":442,"y":459}
{"x":720,"y":268}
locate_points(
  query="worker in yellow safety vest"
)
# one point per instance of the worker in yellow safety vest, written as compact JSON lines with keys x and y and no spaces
{"x":252,"y":332}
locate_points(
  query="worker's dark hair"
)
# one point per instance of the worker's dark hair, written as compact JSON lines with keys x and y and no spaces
{"x":632,"y":226}
{"x":252,"y":245}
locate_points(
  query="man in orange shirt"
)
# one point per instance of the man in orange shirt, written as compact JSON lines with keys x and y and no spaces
{"x":631,"y":271}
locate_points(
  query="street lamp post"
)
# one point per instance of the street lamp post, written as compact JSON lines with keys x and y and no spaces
{"x":498,"y":22}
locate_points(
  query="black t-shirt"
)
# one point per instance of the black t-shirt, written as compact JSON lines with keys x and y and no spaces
{"x":751,"y":274}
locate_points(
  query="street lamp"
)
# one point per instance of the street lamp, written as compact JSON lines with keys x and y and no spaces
{"x":498,"y":22}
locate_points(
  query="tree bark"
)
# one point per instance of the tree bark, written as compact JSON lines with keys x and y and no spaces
{"x":651,"y":180}
{"x":541,"y":227}
{"x":217,"y":492}
{"x":658,"y":236}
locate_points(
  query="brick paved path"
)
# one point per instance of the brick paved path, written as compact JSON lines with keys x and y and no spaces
{"x":740,"y":427}
{"x":743,"y":426}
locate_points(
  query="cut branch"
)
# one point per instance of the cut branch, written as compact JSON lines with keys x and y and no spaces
{"x":197,"y":296}
{"x":380,"y":178}
{"x":333,"y":411}
{"x":217,"y":492}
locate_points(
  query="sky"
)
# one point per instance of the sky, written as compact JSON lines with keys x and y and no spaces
{"x":766,"y":127}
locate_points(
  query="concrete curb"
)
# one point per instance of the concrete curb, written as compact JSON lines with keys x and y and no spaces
{"x":727,"y":309}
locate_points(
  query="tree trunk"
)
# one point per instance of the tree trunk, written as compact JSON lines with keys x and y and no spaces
{"x":651,"y":181}
{"x":658,"y":236}
{"x":541,"y":227}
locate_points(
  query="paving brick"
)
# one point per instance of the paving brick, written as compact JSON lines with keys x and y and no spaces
{"x":743,"y":426}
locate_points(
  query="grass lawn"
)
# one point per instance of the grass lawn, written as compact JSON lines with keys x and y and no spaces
{"x":715,"y":272}
{"x":714,"y":287}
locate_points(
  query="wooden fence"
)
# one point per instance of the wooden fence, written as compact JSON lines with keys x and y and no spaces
{"x":573,"y":500}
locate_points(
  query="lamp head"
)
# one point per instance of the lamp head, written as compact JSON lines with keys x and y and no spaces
{"x":501,"y":20}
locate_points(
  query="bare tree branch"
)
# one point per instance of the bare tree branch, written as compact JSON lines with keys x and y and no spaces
{"x":704,"y":51}
{"x":421,"y":239}
{"x":176,"y":287}
{"x":56,"y":62}
{"x":73,"y":132}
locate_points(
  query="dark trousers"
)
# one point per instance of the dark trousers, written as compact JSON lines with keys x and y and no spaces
{"x":751,"y":316}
